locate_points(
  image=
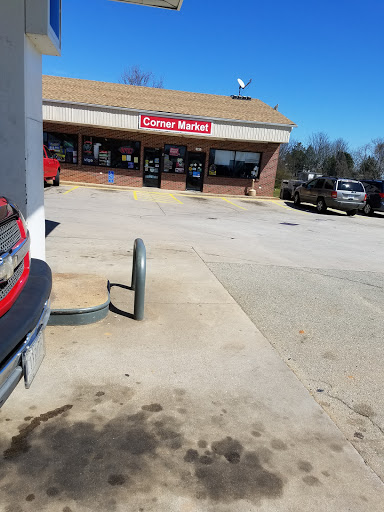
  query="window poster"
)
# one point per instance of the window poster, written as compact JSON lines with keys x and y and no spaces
{"x":174,"y":151}
{"x":64,"y":146}
{"x":110,"y":152}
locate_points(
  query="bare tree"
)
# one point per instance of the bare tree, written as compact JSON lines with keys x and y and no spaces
{"x":322,"y":149}
{"x":340,"y":145}
{"x":136,"y":76}
{"x":378,"y":154}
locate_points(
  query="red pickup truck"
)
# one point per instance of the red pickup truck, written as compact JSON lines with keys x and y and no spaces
{"x":25,"y":287}
{"x":51,"y":167}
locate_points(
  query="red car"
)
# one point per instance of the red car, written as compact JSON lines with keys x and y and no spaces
{"x":25,"y":287}
{"x":51,"y":167}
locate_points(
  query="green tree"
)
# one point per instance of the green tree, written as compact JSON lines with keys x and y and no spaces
{"x":295,"y":159}
{"x":369,"y":169}
{"x":341,"y":165}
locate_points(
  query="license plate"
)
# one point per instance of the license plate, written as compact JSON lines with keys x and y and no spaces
{"x":32,"y":358}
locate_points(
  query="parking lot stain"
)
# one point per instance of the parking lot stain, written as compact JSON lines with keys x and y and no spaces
{"x":152,"y":408}
{"x":289,"y":224}
{"x":305,"y":466}
{"x":116,"y":479}
{"x":364,"y":410}
{"x":19,"y":443}
{"x":232,"y":473}
{"x":277,"y":444}
{"x":108,"y":458}
{"x":52,"y":491}
{"x":311,"y":480}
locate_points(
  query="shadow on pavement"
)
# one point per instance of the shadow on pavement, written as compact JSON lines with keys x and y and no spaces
{"x":312,"y":209}
{"x":50,"y":225}
{"x":114,"y":308}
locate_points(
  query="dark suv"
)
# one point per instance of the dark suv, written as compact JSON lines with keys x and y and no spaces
{"x":328,"y":192}
{"x":25,"y":287}
{"x":375,"y":196}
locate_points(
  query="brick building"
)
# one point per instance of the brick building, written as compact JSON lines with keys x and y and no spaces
{"x":118,"y":134}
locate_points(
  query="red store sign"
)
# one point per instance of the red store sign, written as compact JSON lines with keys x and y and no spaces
{"x":175,"y":125}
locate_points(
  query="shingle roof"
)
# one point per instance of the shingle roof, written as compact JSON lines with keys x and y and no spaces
{"x":159,"y":100}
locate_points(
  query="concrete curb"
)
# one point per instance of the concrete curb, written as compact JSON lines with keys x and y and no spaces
{"x":166,"y":191}
{"x":79,"y":316}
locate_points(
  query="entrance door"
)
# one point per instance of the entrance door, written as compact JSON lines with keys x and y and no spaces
{"x":195,"y":171}
{"x":152,"y":158}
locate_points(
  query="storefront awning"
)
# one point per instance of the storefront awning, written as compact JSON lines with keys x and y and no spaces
{"x":163,"y":4}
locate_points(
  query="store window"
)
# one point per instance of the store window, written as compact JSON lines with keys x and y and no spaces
{"x":121,"y":154}
{"x":174,"y":158}
{"x":62,"y":145}
{"x":234,"y":164}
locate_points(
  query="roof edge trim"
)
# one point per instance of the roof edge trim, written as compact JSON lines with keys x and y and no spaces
{"x":157,"y":112}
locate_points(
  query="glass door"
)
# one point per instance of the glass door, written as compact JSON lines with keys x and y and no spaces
{"x":195,"y":171}
{"x":151,"y":176}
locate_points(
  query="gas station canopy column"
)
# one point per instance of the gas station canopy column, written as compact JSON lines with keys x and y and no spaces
{"x":30,"y":29}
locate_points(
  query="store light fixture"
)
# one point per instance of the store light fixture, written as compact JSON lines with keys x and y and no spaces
{"x":162,"y":4}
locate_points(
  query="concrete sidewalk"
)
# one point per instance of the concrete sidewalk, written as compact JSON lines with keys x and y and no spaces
{"x":99,"y":186}
{"x":189,"y":410}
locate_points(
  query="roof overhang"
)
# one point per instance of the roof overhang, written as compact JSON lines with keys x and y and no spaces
{"x":163,"y":4}
{"x":167,"y":114}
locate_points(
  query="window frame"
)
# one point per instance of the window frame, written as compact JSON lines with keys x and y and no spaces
{"x":185,"y":153}
{"x":211,"y":161}
{"x":61,"y":136}
{"x":113,"y":145}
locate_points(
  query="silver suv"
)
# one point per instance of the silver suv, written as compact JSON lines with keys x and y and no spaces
{"x":338,"y":193}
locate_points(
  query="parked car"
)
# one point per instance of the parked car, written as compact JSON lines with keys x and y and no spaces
{"x":25,"y":287}
{"x":375,"y":196}
{"x":288,"y":187}
{"x":51,"y":167}
{"x":338,"y":193}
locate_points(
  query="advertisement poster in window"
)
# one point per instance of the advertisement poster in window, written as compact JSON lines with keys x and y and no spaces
{"x":111,"y":153}
{"x":64,"y":146}
{"x":174,"y":152}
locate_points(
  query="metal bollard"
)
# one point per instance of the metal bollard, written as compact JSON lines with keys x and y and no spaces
{"x":138,"y":277}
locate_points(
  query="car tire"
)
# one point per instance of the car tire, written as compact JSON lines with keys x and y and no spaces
{"x":56,"y":179}
{"x":368,"y":210}
{"x":351,"y":213}
{"x":321,"y":205}
{"x":286,"y":194}
{"x":296,"y":199}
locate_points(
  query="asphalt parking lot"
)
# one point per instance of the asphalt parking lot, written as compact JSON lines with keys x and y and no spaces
{"x":193,"y":408}
{"x":312,"y":283}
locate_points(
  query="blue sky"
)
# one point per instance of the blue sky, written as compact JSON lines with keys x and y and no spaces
{"x":321,"y":61}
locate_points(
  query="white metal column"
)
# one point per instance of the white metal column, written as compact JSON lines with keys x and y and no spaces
{"x":21,"y":161}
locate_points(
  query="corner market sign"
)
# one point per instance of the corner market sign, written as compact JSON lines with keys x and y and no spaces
{"x":174,"y":125}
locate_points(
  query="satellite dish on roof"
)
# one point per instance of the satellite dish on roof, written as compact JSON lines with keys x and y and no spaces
{"x":241,"y":83}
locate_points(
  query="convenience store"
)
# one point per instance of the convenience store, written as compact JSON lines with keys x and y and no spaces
{"x":133,"y":136}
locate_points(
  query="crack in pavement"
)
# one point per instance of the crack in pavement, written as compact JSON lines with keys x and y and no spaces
{"x":356,"y":412}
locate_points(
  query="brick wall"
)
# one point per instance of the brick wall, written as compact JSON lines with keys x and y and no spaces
{"x":133,"y":178}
